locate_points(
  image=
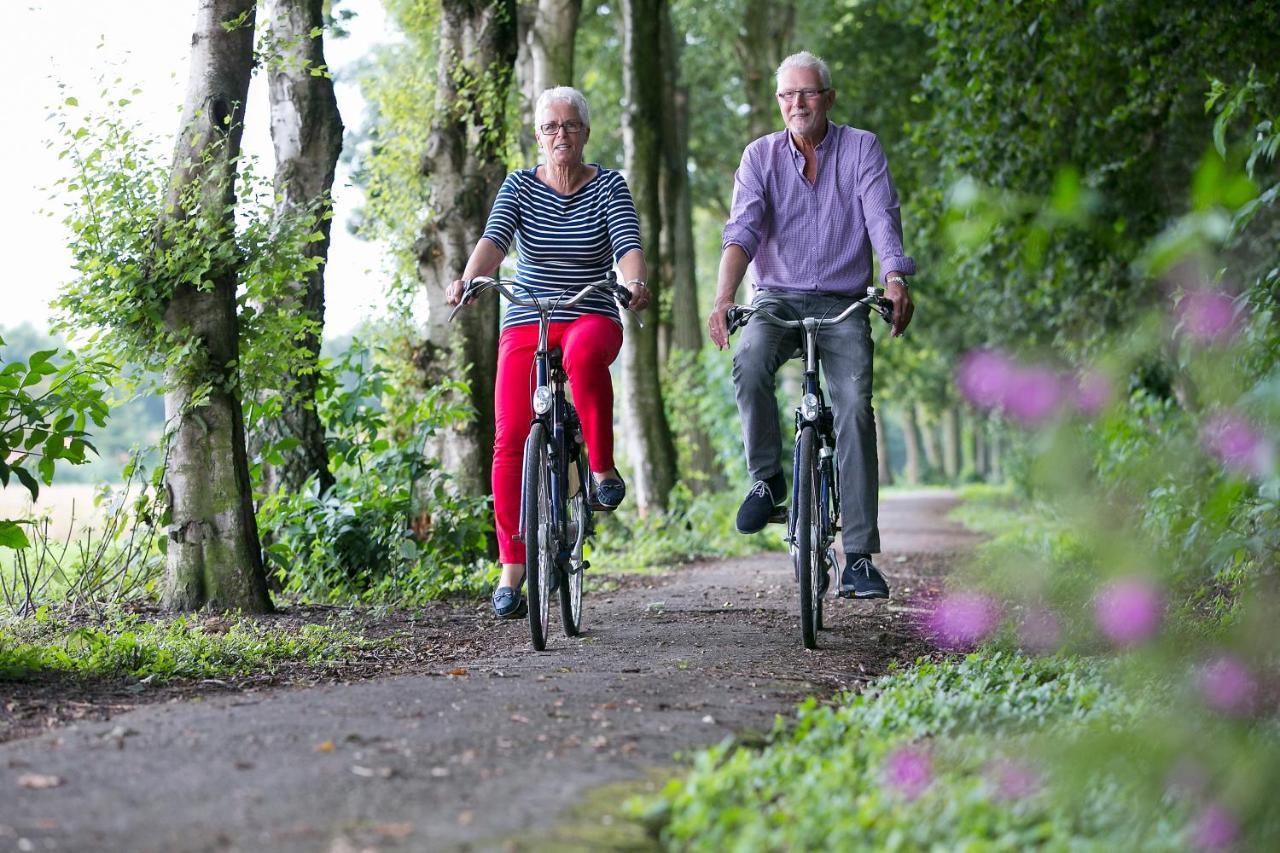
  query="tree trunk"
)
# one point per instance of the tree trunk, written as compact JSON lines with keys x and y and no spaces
{"x":882,"y":458}
{"x":979,"y":431}
{"x":949,"y":424}
{"x":547,"y":34}
{"x":911,"y":441}
{"x":928,"y":440}
{"x":464,"y":161}
{"x":763,"y":42}
{"x":306,"y":131}
{"x":643,"y":413}
{"x":995,"y":464}
{"x":214,"y":558}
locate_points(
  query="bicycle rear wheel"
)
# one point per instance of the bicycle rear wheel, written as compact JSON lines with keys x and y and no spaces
{"x":539,"y":543}
{"x":576,"y":537}
{"x":808,"y":553}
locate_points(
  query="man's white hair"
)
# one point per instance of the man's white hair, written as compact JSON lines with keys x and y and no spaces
{"x":807,"y":61}
{"x":566,"y":95}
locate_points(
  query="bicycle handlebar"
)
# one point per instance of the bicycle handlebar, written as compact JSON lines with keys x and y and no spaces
{"x":472,"y":288}
{"x":738,"y":315}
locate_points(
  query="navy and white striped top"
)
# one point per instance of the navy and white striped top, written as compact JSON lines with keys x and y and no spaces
{"x":564,"y":242}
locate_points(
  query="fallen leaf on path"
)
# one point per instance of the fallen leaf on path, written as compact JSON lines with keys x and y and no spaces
{"x":519,"y":718}
{"x":324,"y":746}
{"x":465,"y":817}
{"x":599,"y":742}
{"x":39,"y":780}
{"x":439,"y":772}
{"x":457,"y":671}
{"x":709,"y":719}
{"x":373,"y":772}
{"x":394,"y":830}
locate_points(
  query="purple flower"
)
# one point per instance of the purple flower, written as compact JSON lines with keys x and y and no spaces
{"x":1232,"y":440}
{"x":1033,"y":395}
{"x":1012,"y":780}
{"x":1215,"y":828}
{"x":1206,"y":316}
{"x":1093,"y":392}
{"x":1128,"y":611}
{"x":1039,"y":630}
{"x":1227,"y":685}
{"x":984,"y":376}
{"x":963,"y":619}
{"x":909,"y":770}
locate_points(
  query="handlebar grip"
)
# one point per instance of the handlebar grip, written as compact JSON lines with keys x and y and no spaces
{"x":623,"y":295}
{"x":735,"y":318}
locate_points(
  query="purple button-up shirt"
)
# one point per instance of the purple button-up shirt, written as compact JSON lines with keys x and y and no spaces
{"x":802,"y":236}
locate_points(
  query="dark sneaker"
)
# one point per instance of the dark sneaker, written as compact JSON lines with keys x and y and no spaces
{"x":508,"y":603}
{"x":763,"y":501}
{"x":609,"y":493}
{"x":861,"y":579}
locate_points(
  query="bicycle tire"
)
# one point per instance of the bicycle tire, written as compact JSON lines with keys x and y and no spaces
{"x":808,"y":555}
{"x":539,"y":556}
{"x":571,"y":580}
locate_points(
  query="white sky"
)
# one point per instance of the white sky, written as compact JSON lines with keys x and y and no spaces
{"x":145,"y":42}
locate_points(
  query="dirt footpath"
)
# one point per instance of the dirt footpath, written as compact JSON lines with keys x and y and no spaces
{"x":491,"y":753}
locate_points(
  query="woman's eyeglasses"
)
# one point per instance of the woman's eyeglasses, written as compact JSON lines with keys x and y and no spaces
{"x":551,"y":128}
{"x":792,"y":95}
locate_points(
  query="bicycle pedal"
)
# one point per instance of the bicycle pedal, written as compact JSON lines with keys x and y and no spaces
{"x":779,"y":517}
{"x":598,"y":507}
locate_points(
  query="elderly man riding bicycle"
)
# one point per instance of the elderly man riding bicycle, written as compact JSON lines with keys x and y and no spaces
{"x":810,"y":203}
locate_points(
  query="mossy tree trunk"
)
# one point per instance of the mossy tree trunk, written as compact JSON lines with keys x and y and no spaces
{"x":464,"y":164}
{"x":644,"y":418}
{"x":764,"y":40}
{"x":548,"y":34}
{"x":306,"y":131}
{"x":214,"y":559}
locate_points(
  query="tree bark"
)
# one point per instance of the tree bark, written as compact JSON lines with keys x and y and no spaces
{"x":949,"y":424}
{"x":547,"y":33}
{"x":214,"y":558}
{"x":979,"y":432}
{"x":644,"y":415}
{"x":464,"y":160}
{"x":928,"y":440}
{"x":763,"y":42}
{"x":306,"y":131}
{"x":882,"y":458}
{"x":911,"y":440}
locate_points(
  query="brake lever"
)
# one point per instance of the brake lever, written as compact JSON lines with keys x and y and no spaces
{"x":734,"y":319}
{"x":623,"y":296}
{"x":465,"y":299}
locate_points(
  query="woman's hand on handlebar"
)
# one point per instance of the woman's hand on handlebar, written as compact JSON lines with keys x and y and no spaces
{"x":453,"y":292}
{"x":640,"y":295}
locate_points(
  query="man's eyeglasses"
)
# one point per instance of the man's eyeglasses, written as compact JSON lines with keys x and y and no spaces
{"x":791,"y":95}
{"x":551,"y":128}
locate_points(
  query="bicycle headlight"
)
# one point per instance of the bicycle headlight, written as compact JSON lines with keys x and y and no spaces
{"x":542,"y":399}
{"x":809,"y":407}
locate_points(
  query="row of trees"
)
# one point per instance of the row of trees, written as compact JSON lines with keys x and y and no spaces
{"x":1075,"y":102}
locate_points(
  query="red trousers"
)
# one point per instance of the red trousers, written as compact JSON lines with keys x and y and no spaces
{"x":590,"y":344}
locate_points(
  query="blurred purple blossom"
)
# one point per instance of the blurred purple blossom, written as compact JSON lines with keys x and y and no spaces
{"x":990,"y":379}
{"x":984,"y":376}
{"x":1227,"y":685}
{"x":909,"y":770}
{"x":1215,"y":828}
{"x":1206,"y":316}
{"x":1233,"y":441}
{"x":962,"y":620}
{"x":1012,"y":779}
{"x":1128,"y":611}
{"x":1093,"y":392}
{"x":1039,"y":630}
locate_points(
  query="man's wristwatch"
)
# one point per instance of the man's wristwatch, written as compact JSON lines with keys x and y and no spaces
{"x":895,"y":278}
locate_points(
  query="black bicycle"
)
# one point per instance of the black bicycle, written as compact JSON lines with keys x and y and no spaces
{"x":555,"y":504}
{"x":814,"y":517}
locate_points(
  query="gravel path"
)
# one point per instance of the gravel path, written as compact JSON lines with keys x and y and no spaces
{"x":490,"y":753}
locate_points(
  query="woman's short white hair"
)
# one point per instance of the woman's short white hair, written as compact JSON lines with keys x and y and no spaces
{"x":807,"y":61}
{"x":563,"y":94}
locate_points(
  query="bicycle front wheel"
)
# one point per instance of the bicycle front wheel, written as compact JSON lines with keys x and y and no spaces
{"x":576,"y":537}
{"x":539,"y":544}
{"x":809,"y":559}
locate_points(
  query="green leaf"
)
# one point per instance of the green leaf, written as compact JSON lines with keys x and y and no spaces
{"x":13,"y":536}
{"x":25,"y":477}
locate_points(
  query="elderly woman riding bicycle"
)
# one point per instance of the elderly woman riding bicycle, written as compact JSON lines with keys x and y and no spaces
{"x":571,"y":222}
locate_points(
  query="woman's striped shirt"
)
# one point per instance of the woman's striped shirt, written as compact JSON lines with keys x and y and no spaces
{"x":563,"y":242}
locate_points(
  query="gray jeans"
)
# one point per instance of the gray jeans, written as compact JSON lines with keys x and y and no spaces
{"x":845,"y":354}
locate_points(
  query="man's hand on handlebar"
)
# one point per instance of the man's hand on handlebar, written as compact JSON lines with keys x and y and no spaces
{"x":718,"y":324}
{"x":902,"y":307}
